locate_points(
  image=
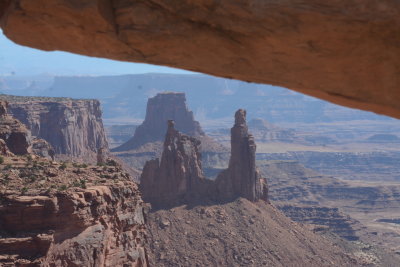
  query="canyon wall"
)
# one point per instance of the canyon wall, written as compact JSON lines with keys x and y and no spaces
{"x":345,"y":51}
{"x":13,"y":132}
{"x":73,"y":127}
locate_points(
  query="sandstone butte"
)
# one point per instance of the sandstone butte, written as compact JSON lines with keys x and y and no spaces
{"x":343,"y":51}
{"x":178,"y":177}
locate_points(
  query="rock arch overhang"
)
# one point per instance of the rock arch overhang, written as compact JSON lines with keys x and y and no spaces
{"x":343,"y":51}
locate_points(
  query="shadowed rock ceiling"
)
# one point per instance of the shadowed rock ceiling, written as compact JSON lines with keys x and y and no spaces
{"x":344,"y":51}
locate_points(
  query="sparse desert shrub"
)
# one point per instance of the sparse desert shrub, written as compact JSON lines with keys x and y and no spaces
{"x":63,"y":187}
{"x":7,"y":167}
{"x":81,"y":183}
{"x":63,"y":166}
{"x":1,"y":159}
{"x":24,"y":190}
{"x":112,"y":162}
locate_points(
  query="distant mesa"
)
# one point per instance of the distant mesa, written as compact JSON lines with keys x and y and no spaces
{"x":268,"y":132}
{"x":261,"y":124}
{"x":147,"y":141}
{"x":178,"y":177}
{"x":384,"y":138}
{"x":161,"y":108}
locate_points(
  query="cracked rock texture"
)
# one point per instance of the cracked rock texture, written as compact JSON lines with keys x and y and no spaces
{"x":54,"y":214}
{"x":344,"y":51}
{"x":99,"y":226}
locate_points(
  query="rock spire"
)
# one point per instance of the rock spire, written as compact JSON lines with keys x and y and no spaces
{"x":178,"y":178}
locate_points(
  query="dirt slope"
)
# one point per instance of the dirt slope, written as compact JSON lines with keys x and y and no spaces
{"x":240,"y":233}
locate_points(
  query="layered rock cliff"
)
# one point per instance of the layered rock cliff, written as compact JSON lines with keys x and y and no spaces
{"x":161,"y":108}
{"x":13,"y":132}
{"x":178,"y":177}
{"x":74,"y":128}
{"x":55,"y":214}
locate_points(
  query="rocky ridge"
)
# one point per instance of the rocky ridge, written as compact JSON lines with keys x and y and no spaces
{"x":72,"y":127}
{"x":238,"y":233}
{"x":178,"y":177}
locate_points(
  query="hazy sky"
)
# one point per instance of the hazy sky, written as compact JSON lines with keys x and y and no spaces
{"x":27,"y":61}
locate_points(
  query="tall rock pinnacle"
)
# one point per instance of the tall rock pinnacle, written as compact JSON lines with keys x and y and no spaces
{"x":178,"y":177}
{"x":242,"y":179}
{"x":161,"y":108}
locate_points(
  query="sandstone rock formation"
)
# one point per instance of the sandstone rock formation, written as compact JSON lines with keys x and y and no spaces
{"x":242,"y":178}
{"x":13,"y":132}
{"x":55,"y":214}
{"x":73,"y":127}
{"x":350,"y":57}
{"x":178,"y":177}
{"x":42,"y":148}
{"x":147,"y":142}
{"x":161,"y":108}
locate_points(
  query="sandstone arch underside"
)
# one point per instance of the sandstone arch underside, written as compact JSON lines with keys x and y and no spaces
{"x":344,"y":51}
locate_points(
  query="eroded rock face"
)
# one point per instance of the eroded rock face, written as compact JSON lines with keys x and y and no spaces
{"x":161,"y":108}
{"x":42,"y":148}
{"x":13,"y":132}
{"x":72,"y":127}
{"x":178,"y":177}
{"x":242,"y":178}
{"x":99,"y":226}
{"x":350,"y":58}
{"x":55,"y":214}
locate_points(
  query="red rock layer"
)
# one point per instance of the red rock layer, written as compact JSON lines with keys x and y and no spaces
{"x":98,"y":226}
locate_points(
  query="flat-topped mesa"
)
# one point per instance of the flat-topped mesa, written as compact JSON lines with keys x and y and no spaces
{"x":178,"y":177}
{"x":13,"y":132}
{"x":242,"y":178}
{"x":161,"y":108}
